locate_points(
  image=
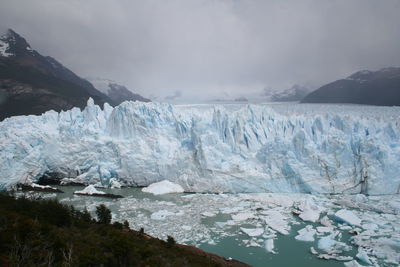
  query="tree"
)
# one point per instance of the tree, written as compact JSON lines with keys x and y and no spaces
{"x":103,"y":214}
{"x":170,"y":241}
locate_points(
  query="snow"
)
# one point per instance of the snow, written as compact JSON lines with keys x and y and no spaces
{"x":89,"y":190}
{"x":4,"y":46}
{"x":163,"y":187}
{"x":240,"y":148}
{"x":103,"y":85}
{"x":348,"y":217}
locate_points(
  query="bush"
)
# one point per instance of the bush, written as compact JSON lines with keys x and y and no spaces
{"x":103,"y":214}
{"x":170,"y":241}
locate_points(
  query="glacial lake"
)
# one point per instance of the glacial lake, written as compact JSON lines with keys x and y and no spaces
{"x":218,"y":223}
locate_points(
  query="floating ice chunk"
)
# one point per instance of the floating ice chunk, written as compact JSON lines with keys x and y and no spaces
{"x":334,"y":257}
{"x":352,"y":263}
{"x":313,"y":251}
{"x":326,"y":222}
{"x":306,"y":234}
{"x":395,"y":204}
{"x":208,"y":214}
{"x":114,"y":183}
{"x":360,"y":198}
{"x":310,"y":211}
{"x":276,"y":221}
{"x":370,"y":226}
{"x":324,"y":229}
{"x":242,"y":216}
{"x":252,"y":231}
{"x":163,"y":187}
{"x":89,"y":190}
{"x":269,"y":246}
{"x":363,"y":256}
{"x":161,"y":215}
{"x":330,"y":245}
{"x":41,"y":186}
{"x":347,"y":216}
{"x":186,"y":227}
{"x":253,"y":243}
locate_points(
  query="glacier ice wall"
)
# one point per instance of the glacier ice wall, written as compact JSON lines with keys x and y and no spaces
{"x":252,"y":149}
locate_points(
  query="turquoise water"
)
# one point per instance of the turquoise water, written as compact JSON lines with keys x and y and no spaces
{"x":137,"y":207}
{"x":291,"y":252}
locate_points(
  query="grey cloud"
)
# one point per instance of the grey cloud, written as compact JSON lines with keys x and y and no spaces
{"x":210,"y":47}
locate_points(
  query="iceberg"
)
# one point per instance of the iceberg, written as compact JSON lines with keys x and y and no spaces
{"x":89,"y":190}
{"x":253,"y":148}
{"x":163,"y":187}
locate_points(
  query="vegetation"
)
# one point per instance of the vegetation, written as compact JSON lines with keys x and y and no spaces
{"x":37,"y":232}
{"x":103,"y":214}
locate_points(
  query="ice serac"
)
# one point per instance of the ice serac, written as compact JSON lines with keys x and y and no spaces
{"x":252,"y":149}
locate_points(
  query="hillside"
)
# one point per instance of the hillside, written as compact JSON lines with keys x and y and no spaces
{"x":47,"y":233}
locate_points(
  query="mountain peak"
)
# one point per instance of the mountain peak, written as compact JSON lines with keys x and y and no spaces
{"x":13,"y":44}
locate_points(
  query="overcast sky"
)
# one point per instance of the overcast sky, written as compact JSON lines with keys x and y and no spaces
{"x":193,"y":48}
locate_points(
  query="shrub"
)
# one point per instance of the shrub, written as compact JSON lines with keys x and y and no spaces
{"x":170,"y":241}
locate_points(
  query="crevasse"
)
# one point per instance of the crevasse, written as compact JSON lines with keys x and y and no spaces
{"x":252,"y":149}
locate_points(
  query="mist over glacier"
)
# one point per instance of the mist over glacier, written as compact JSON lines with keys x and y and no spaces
{"x":249,"y":148}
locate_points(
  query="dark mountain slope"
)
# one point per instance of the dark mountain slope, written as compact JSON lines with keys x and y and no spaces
{"x":32,"y":84}
{"x":364,"y":87}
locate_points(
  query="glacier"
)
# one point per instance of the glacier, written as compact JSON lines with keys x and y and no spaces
{"x":251,"y":148}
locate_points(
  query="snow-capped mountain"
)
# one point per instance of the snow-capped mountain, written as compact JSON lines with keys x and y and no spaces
{"x":118,"y":93}
{"x":32,"y":84}
{"x":295,"y":93}
{"x":334,"y":149}
{"x":292,"y":94}
{"x":364,"y":87}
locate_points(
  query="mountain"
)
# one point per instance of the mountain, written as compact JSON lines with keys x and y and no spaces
{"x":32,"y":84}
{"x":380,"y":88}
{"x":295,"y":93}
{"x":116,"y":92}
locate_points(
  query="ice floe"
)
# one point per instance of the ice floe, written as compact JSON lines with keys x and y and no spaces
{"x":347,"y":216}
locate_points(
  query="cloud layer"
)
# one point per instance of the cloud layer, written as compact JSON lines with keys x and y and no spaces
{"x":211,"y":47}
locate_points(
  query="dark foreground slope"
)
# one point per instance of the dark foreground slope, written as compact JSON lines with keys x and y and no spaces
{"x":47,"y":233}
{"x":32,"y":84}
{"x":380,"y":88}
